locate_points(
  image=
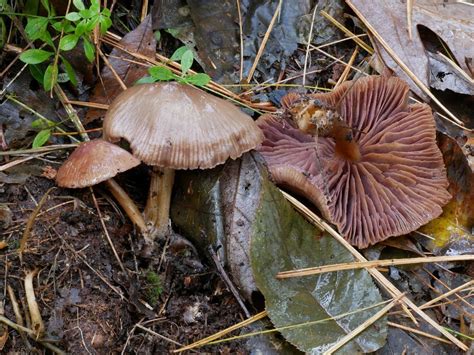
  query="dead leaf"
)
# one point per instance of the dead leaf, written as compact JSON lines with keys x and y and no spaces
{"x":452,"y":21}
{"x":3,"y":244}
{"x":140,"y":40}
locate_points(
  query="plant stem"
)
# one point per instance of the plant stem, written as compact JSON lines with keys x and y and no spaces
{"x":158,"y":204}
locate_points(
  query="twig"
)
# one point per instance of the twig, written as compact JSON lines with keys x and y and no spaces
{"x":227,"y":281}
{"x":48,"y":148}
{"x":158,"y":335}
{"x":31,"y":221}
{"x":104,"y":227}
{"x":370,"y":264}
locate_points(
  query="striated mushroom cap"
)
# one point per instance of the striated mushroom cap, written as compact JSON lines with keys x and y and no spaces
{"x":180,"y":127}
{"x":398,"y":182}
{"x":93,"y":162}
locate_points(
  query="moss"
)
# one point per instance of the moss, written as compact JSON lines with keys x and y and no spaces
{"x":154,"y":287}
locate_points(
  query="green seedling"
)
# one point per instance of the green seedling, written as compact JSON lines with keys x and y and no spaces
{"x":186,"y":58}
{"x":76,"y":27}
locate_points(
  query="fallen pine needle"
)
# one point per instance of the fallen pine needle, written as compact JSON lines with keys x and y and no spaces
{"x":370,"y":264}
{"x":419,"y":332}
{"x":362,"y":327}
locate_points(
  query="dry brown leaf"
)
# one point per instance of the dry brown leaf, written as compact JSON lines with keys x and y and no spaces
{"x":3,"y":244}
{"x":140,"y":40}
{"x":452,"y":21}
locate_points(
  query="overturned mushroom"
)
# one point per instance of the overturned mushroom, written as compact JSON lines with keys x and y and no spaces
{"x":175,"y":126}
{"x":376,"y":172}
{"x":99,"y":161}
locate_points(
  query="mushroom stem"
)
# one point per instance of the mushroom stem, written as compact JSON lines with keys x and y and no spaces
{"x":158,"y":204}
{"x":127,"y":204}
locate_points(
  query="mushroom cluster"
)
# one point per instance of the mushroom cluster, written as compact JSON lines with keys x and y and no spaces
{"x":168,"y":126}
{"x":375,"y":173}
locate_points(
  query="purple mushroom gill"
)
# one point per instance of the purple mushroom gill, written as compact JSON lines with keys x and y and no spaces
{"x":398,"y":184}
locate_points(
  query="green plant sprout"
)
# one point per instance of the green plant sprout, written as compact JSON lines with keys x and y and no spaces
{"x":154,"y":287}
{"x":71,"y":29}
{"x":161,"y":73}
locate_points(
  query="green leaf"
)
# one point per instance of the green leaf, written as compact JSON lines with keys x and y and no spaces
{"x":50,"y":77}
{"x":31,"y":7}
{"x":37,"y":73}
{"x":186,"y":61}
{"x":145,"y":80}
{"x":69,"y":71}
{"x":41,"y":138}
{"x":86,"y":13}
{"x":199,"y":79}
{"x":105,"y":24}
{"x":73,"y":16}
{"x":89,"y":50}
{"x":106,"y":12}
{"x":161,"y":73}
{"x":35,"y":56}
{"x":47,"y":6}
{"x":68,"y":42}
{"x":176,"y":56}
{"x":3,"y":33}
{"x":81,"y":28}
{"x":46,"y":37}
{"x":36,"y":27}
{"x":78,"y":4}
{"x":157,"y":35}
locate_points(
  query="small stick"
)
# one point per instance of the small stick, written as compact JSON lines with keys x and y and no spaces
{"x":31,"y":221}
{"x":18,"y":316}
{"x":370,"y":264}
{"x":227,"y":280}
{"x":104,"y":227}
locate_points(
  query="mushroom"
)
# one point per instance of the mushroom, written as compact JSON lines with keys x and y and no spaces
{"x":98,"y":161}
{"x":376,"y":172}
{"x":175,"y":126}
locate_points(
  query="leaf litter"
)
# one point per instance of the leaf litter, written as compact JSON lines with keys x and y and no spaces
{"x":186,"y":282}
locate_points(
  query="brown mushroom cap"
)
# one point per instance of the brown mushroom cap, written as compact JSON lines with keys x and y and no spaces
{"x":93,"y":162}
{"x":180,"y":127}
{"x":398,"y":184}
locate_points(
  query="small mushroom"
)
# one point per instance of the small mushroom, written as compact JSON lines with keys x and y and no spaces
{"x":98,"y":161}
{"x":377,"y":173}
{"x":174,"y":126}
